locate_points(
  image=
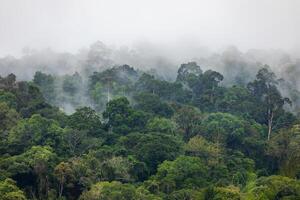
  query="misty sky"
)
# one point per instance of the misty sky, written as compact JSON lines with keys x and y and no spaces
{"x":68,"y":25}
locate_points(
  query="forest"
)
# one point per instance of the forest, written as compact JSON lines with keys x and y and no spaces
{"x":126,"y":133}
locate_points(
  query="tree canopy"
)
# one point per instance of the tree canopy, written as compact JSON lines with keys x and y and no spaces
{"x":127,"y":134}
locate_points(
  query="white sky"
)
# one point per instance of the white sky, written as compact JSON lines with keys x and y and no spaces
{"x":68,"y":25}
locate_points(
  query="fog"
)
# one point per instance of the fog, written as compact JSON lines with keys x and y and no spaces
{"x":69,"y":25}
{"x":234,"y":37}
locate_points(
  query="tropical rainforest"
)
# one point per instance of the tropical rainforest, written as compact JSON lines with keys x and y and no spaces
{"x":124,"y":133}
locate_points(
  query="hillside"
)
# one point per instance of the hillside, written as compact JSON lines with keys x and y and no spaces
{"x":123,"y":133}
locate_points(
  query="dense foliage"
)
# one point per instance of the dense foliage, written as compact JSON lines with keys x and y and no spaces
{"x":133,"y":136}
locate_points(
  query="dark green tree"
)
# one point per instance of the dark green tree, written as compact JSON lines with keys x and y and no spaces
{"x":122,"y":118}
{"x":46,"y":83}
{"x":86,"y":119}
{"x":151,"y":103}
{"x":188,"y":119}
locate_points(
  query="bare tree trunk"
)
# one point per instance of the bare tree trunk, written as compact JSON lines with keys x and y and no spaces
{"x":61,"y":187}
{"x":211,"y":95}
{"x":46,"y":186}
{"x":40,"y":186}
{"x":270,"y":123}
{"x":33,"y":196}
{"x":108,"y":95}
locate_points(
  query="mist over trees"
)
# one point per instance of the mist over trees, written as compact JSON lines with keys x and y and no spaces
{"x":115,"y":124}
{"x":237,"y":68}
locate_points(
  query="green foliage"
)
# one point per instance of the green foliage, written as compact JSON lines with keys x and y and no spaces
{"x":85,"y":119}
{"x":206,"y":90}
{"x":77,"y":142}
{"x":63,"y":174}
{"x":164,"y":89}
{"x":285,"y":148}
{"x":184,"y":172}
{"x":155,"y":139}
{"x":187,"y":194}
{"x":98,"y":96}
{"x":71,"y":84}
{"x":8,"y":83}
{"x":237,"y":100}
{"x":152,"y":149}
{"x":122,"y":118}
{"x":188,"y":119}
{"x":228,"y":130}
{"x":223,"y":193}
{"x":36,"y":130}
{"x":46,"y":83}
{"x":37,"y":161}
{"x":36,"y":158}
{"x":209,"y":152}
{"x":152,"y":104}
{"x":8,"y":119}
{"x":265,"y":90}
{"x":275,"y":187}
{"x":29,"y":99}
{"x":9,"y":98}
{"x":239,"y":170}
{"x":162,"y":125}
{"x":116,"y":191}
{"x":101,"y":165}
{"x":189,"y":72}
{"x":9,"y":191}
{"x":111,"y":83}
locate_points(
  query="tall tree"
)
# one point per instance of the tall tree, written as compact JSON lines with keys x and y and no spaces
{"x":188,"y":119}
{"x":46,"y":83}
{"x":264,"y":88}
{"x":63,"y":173}
{"x":187,"y":73}
{"x":122,"y":118}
